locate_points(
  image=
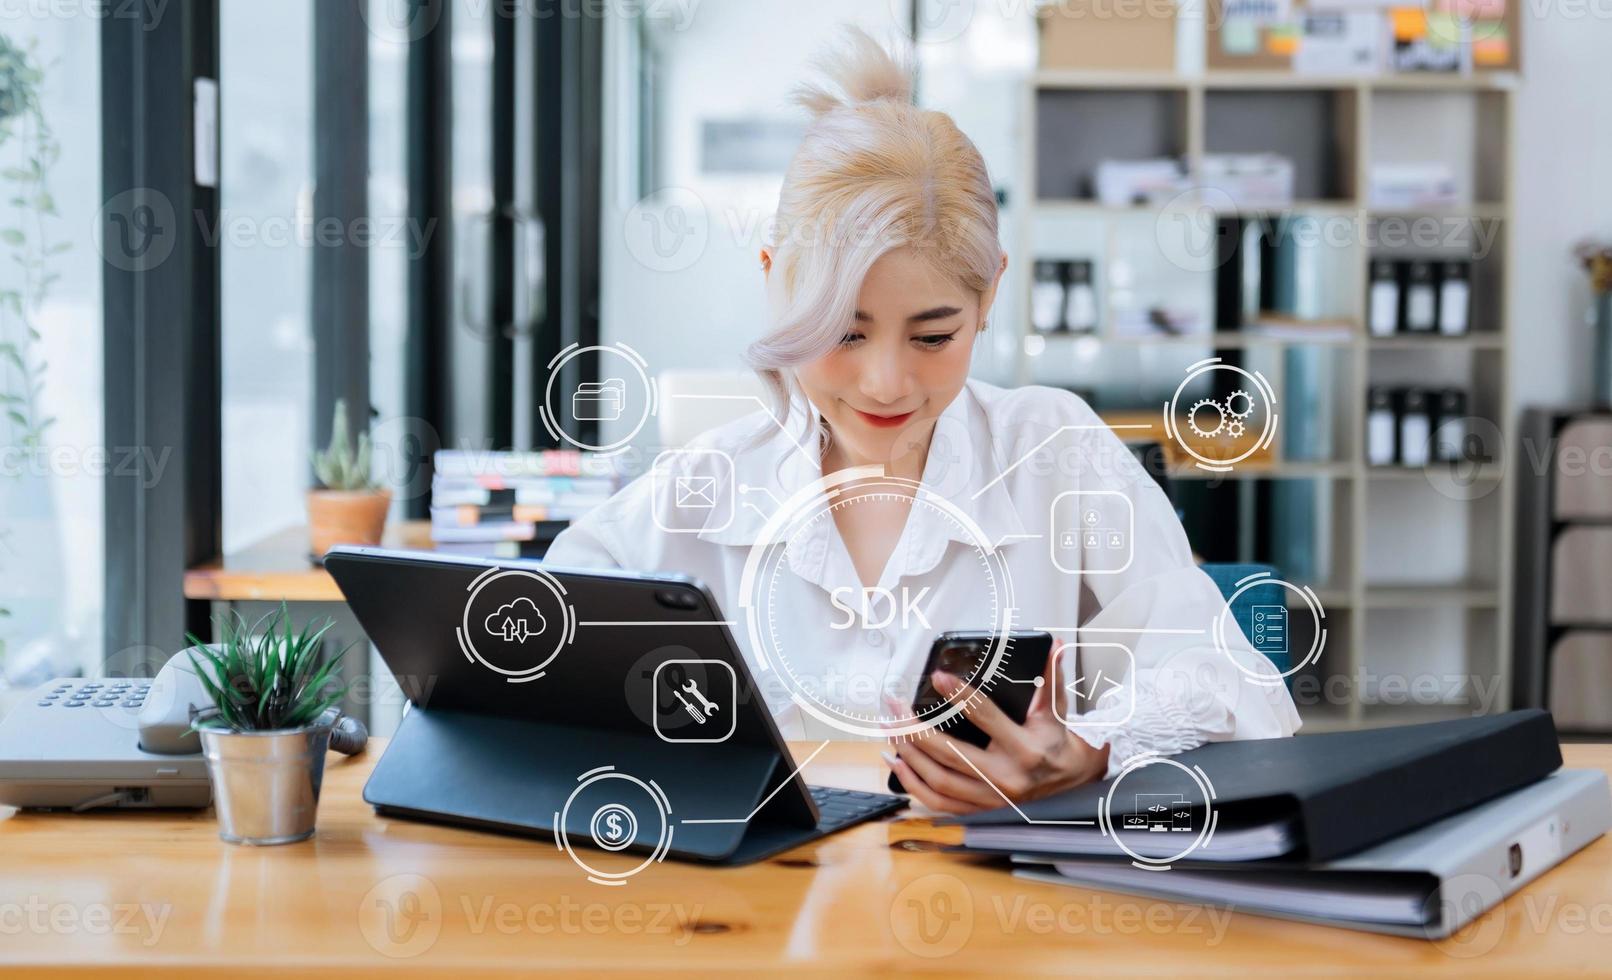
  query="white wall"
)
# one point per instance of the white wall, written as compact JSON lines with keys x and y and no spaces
{"x":1562,"y":139}
{"x":735,"y":59}
{"x":731,"y":60}
{"x":1563,"y":159}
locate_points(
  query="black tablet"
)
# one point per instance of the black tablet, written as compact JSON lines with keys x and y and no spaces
{"x":524,"y":678}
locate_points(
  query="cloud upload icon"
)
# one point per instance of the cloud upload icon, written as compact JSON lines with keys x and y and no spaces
{"x":514,"y":621}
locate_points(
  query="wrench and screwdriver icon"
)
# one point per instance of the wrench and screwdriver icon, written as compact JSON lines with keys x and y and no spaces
{"x":693,"y":687}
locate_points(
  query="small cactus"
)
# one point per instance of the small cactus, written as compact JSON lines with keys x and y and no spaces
{"x":339,"y":467}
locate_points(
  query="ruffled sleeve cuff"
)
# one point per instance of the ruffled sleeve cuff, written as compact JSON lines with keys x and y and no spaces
{"x":1163,"y":723}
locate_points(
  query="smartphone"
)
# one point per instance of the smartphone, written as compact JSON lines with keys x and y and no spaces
{"x":963,"y":654}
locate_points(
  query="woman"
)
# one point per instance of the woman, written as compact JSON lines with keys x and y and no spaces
{"x":880,"y":278}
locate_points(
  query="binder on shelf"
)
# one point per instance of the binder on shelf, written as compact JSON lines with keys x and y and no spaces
{"x":1450,"y":428}
{"x":1047,"y":298}
{"x":1380,"y":427}
{"x":1454,"y":298}
{"x":1421,"y":298}
{"x":1080,"y":298}
{"x":1383,"y":315}
{"x":1415,"y":428}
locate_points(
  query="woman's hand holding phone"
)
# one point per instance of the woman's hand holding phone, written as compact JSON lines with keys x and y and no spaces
{"x":1025,"y":762}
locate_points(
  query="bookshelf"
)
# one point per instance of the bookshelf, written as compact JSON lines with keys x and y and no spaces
{"x":1418,"y":585}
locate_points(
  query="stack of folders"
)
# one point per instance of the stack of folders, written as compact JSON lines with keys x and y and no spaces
{"x":1414,"y":830}
{"x":513,"y":504}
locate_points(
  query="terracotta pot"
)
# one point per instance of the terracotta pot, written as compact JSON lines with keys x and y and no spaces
{"x":345,"y":517}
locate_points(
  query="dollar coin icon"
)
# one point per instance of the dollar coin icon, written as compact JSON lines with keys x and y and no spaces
{"x":613,"y":827}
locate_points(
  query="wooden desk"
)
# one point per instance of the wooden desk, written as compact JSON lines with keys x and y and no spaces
{"x":73,"y":890}
{"x":278,"y":568}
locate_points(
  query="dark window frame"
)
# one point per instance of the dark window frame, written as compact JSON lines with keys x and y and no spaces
{"x":162,"y":319}
{"x":160,"y":322}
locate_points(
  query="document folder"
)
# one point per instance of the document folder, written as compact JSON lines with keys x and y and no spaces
{"x":1427,"y":883}
{"x":1338,"y":792}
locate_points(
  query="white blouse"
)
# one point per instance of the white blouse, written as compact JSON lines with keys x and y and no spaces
{"x":1082,"y":541}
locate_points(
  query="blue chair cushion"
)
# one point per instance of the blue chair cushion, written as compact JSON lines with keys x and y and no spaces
{"x":1226,"y":575}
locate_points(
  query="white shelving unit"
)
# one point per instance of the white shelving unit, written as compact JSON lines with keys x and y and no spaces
{"x":1380,"y":622}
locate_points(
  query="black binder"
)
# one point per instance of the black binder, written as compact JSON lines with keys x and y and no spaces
{"x":1341,"y":791}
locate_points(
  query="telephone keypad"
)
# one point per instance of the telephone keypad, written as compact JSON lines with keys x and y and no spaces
{"x":124,"y":694}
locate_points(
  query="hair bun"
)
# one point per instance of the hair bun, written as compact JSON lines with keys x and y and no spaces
{"x":863,"y":72}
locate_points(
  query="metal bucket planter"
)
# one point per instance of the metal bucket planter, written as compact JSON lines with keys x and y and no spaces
{"x":266,"y":784}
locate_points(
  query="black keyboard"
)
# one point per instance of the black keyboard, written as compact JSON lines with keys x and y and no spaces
{"x":842,"y":807}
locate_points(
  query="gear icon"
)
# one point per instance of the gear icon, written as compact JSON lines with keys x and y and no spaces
{"x":1220,"y":418}
{"x":1237,"y":411}
{"x":1235,"y":428}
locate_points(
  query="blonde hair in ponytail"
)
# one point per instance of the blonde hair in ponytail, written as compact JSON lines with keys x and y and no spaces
{"x":873,"y":173}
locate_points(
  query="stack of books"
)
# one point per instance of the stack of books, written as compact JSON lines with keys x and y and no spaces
{"x":513,"y":504}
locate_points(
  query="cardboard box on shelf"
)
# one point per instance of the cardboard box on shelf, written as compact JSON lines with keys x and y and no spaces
{"x":1222,"y":446}
{"x":1096,"y":35}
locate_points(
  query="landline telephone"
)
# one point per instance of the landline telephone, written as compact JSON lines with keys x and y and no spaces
{"x":84,"y":744}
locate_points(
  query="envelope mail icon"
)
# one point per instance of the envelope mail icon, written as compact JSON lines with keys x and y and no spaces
{"x":695,"y":492}
{"x":600,"y":401}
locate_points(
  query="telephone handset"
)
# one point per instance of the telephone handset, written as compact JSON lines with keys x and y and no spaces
{"x":83,"y":744}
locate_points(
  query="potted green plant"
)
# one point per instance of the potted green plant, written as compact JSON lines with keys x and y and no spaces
{"x":347,"y":507}
{"x":274,"y":697}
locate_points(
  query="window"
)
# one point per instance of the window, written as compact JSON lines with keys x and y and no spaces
{"x":267,"y":169}
{"x":54,"y":457}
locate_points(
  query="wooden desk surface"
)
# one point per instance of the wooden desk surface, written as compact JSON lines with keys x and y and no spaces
{"x":278,"y":568}
{"x":160,"y":894}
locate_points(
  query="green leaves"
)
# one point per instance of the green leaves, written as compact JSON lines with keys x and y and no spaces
{"x":339,"y":467}
{"x":266,"y":676}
